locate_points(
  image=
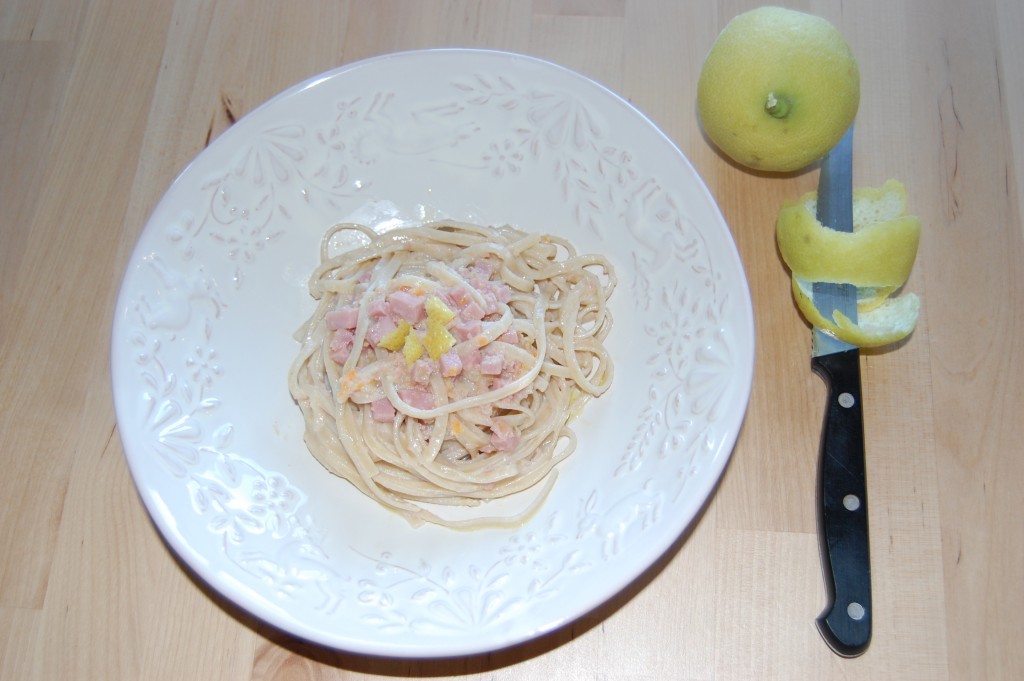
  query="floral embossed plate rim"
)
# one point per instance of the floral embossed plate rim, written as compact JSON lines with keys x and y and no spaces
{"x":201,"y":343}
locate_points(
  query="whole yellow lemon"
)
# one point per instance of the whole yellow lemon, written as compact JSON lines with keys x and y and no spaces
{"x":778,"y":89}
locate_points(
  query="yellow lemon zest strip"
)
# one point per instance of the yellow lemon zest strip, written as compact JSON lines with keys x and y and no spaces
{"x":437,"y":310}
{"x":880,"y":252}
{"x":890,"y":321}
{"x":413,"y":348}
{"x":394,"y":340}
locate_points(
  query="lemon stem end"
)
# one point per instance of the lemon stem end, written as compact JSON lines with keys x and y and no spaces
{"x":777,"y":107}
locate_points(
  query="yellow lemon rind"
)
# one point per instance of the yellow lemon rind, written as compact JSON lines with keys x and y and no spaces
{"x":412,"y":348}
{"x":773,"y":51}
{"x":880,"y":252}
{"x":396,"y":338}
{"x":871,"y":297}
{"x":886,"y":323}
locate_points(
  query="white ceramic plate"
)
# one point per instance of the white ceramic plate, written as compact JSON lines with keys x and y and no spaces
{"x":217,"y":284}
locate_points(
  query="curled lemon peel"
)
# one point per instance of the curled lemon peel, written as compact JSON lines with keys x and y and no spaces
{"x":879,"y":253}
{"x":876,"y":257}
{"x":886,"y":323}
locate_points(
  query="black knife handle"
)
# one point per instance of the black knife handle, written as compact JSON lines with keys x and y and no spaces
{"x":843,"y":508}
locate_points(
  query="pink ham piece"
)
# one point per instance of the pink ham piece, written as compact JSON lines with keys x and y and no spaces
{"x":464,"y":330}
{"x":417,"y":399}
{"x":421,"y":371}
{"x":504,"y":293}
{"x":471,"y":360}
{"x":480,"y":269}
{"x":509,"y":373}
{"x":379,"y":329}
{"x":504,"y":438}
{"x":451,"y":364}
{"x":341,"y":345}
{"x":382,"y":410}
{"x":491,"y":364}
{"x":456,"y":296}
{"x":345,"y":318}
{"x":511,"y":337}
{"x":472,"y":312}
{"x":495,"y":295}
{"x":377,"y":307}
{"x":407,"y":306}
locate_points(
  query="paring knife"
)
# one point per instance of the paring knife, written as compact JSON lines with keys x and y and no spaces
{"x":842,"y":484}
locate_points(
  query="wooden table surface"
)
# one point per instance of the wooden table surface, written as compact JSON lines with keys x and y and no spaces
{"x":102,"y":104}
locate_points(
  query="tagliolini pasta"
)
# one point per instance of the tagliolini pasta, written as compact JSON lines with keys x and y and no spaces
{"x":444,"y":362}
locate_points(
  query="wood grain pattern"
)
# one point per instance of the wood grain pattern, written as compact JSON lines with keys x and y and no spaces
{"x":102,"y":103}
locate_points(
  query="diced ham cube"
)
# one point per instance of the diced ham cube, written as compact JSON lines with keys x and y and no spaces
{"x":345,"y":318}
{"x":379,"y":329}
{"x":472,"y":312}
{"x":341,"y":345}
{"x":378,"y":307}
{"x":491,"y":304}
{"x":481,"y":269}
{"x":421,"y":370}
{"x":511,"y":337}
{"x":471,"y":360}
{"x":417,"y":399}
{"x":495,"y":295}
{"x":504,"y":293}
{"x":456,"y":297}
{"x":451,"y":364}
{"x":491,"y":364}
{"x":407,"y":306}
{"x":509,"y":373}
{"x":464,"y":330}
{"x":382,"y":410}
{"x":504,"y":438}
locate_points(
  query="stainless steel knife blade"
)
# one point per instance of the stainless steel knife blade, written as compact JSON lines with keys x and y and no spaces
{"x":845,"y":623}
